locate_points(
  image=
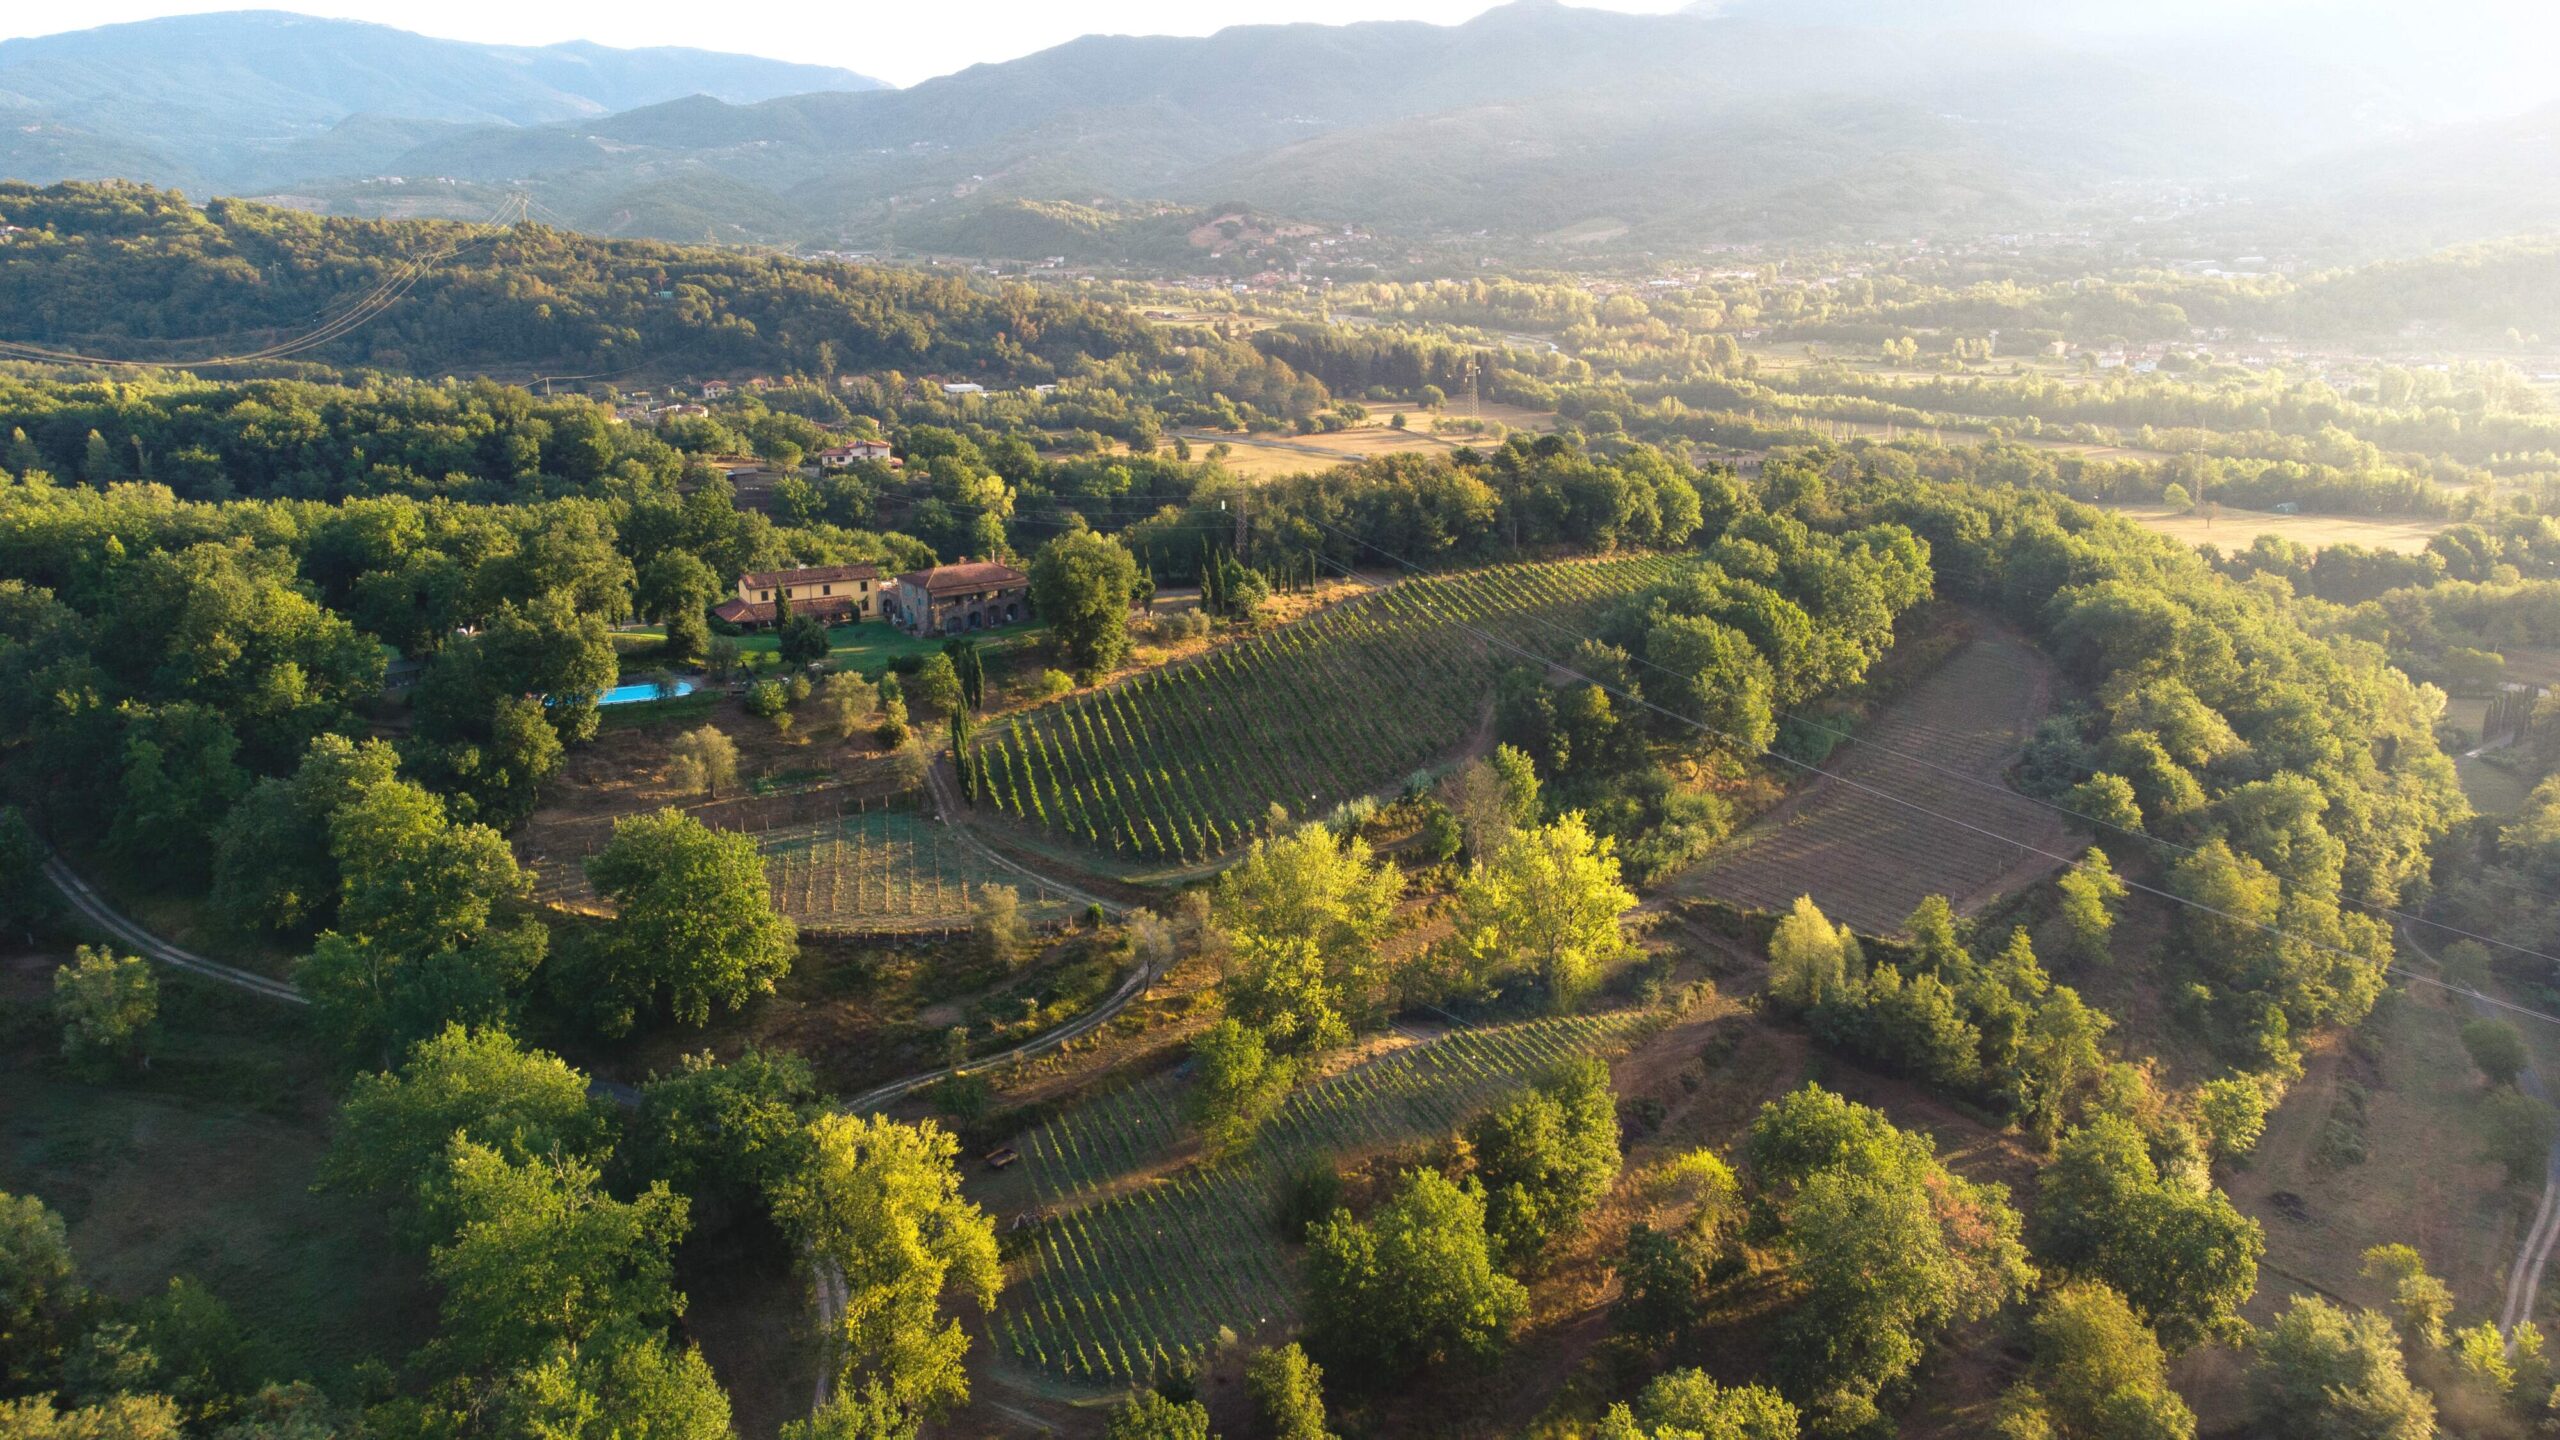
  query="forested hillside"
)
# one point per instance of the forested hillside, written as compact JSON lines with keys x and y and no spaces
{"x":133,"y":273}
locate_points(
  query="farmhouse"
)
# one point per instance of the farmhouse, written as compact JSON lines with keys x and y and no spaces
{"x":832,"y":593}
{"x":950,"y":599}
{"x":838,"y":457}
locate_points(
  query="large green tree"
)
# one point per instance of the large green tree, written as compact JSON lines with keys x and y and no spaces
{"x":877,"y":1211}
{"x":1550,"y":902}
{"x":2098,"y":1374}
{"x":1890,"y":1249}
{"x":2182,"y":1256}
{"x":394,"y":1129}
{"x":429,"y":930}
{"x":1413,"y":1285}
{"x":1546,"y":1157}
{"x":2323,"y":1372}
{"x":1305,"y":913}
{"x":1080,"y":584}
{"x":694,"y":925}
{"x":541,"y":1257}
{"x":1690,"y":1405}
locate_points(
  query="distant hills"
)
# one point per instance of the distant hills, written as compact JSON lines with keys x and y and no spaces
{"x":244,"y":98}
{"x":1534,"y":126}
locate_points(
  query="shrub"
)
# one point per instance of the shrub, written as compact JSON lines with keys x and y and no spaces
{"x":2516,"y":1130}
{"x":108,"y":1005}
{"x":2495,"y":1047}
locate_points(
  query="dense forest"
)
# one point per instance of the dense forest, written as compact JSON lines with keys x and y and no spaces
{"x":130,"y":272}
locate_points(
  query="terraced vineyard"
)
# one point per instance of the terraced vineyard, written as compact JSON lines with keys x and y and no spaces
{"x":1183,"y":763}
{"x":1868,"y":860}
{"x":1130,"y":1273}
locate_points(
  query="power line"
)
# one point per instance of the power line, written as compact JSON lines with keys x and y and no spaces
{"x":365,"y":308}
{"x":2025,"y":847}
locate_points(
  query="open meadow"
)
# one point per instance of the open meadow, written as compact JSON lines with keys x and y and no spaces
{"x":2232,"y":528}
{"x":1862,"y":845}
{"x":204,"y":1168}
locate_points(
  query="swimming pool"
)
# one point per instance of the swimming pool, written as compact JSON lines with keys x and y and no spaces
{"x":633,"y":694}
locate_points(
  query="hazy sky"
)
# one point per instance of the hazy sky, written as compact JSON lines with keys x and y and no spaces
{"x":897,"y":40}
{"x":2503,"y":43}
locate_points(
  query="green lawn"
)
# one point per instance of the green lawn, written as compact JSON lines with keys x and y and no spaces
{"x":869,"y":646}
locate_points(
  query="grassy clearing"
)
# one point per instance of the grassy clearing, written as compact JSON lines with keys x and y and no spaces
{"x":2234,"y":528}
{"x":1869,"y":861}
{"x":869,"y":646}
{"x":203,"y":1166}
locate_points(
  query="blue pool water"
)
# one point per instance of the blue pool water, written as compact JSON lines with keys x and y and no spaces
{"x":634,"y":694}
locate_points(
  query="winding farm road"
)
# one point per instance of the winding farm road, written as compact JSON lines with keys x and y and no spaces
{"x":2533,"y":1256}
{"x":94,"y":908}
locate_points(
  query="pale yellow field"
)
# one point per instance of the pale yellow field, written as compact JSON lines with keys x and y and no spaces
{"x":1264,"y":456}
{"x":2234,"y":529}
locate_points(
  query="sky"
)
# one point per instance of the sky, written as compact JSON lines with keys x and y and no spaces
{"x":899,"y":41}
{"x":2503,"y":42}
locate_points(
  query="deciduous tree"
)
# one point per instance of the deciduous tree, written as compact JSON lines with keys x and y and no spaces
{"x":1080,"y":584}
{"x":694,"y":924}
{"x":1240,"y":1085}
{"x":2185,"y":1259}
{"x":2323,"y":1372}
{"x":1545,"y":1159}
{"x":1289,"y":1389}
{"x":1549,"y":901}
{"x":878,"y":1206}
{"x":1414,"y":1285}
{"x":1306,"y":913}
{"x":704,"y":760}
{"x":1690,"y":1405}
{"x":2098,"y":1374}
{"x":393,"y":1129}
{"x":2090,"y":893}
{"x":108,"y":1005}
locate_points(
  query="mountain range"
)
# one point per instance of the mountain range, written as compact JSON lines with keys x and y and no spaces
{"x":1534,"y":125}
{"x":239,"y":99}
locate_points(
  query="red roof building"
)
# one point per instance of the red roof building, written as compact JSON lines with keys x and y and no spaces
{"x":955,"y":599}
{"x":833,"y":593}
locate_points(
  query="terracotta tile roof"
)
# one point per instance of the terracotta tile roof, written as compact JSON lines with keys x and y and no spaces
{"x":815,"y":574}
{"x":967,"y":575}
{"x":824,"y":607}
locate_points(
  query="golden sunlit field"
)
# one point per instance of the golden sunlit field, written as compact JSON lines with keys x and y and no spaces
{"x":2234,"y":529}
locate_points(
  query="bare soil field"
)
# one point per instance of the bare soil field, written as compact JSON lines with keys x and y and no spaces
{"x":2234,"y":529}
{"x":1868,"y":860}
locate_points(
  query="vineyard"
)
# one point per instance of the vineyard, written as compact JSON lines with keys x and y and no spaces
{"x":878,"y":866}
{"x":1183,"y":763}
{"x":885,"y":870}
{"x":1128,"y":1276}
{"x":1868,"y":860}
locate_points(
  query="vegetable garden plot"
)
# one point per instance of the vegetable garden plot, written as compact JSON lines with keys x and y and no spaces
{"x":1182,"y":763}
{"x":1120,"y":1286}
{"x":870,"y":863}
{"x":883,"y":869}
{"x":1861,"y":849}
